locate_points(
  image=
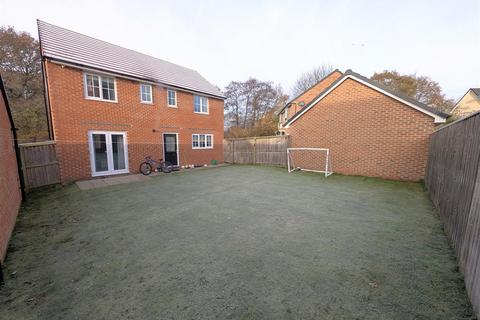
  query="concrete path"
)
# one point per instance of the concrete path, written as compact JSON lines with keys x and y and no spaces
{"x":105,"y":182}
{"x":114,"y":180}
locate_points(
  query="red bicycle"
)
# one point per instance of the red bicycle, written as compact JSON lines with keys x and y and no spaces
{"x":151,"y":165}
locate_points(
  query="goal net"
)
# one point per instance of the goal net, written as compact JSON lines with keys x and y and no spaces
{"x":309,"y":159}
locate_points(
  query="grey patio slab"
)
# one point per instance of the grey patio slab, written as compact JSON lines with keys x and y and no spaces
{"x":116,"y":180}
{"x":111,"y":181}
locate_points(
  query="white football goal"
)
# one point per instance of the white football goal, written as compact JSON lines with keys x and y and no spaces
{"x":309,"y":159}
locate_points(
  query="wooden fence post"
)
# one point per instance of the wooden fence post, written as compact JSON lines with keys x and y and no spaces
{"x":24,"y":170}
{"x":254,"y":150}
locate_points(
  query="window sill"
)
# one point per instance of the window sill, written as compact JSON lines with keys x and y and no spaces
{"x":172,"y":106}
{"x":109,"y":173}
{"x":204,"y":113}
{"x":101,"y":100}
{"x":146,"y":102}
{"x":199,"y":148}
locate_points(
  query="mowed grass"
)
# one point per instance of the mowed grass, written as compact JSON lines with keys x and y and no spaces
{"x":237,"y":242}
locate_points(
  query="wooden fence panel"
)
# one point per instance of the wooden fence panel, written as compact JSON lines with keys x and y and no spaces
{"x":39,"y":164}
{"x":272,"y":150}
{"x":453,"y":181}
{"x":244,"y":151}
{"x":228,"y":155}
{"x":257,"y":150}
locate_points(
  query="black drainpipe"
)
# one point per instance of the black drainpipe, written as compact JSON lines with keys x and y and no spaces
{"x":2,"y":278}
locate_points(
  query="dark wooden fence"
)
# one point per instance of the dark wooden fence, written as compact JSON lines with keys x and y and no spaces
{"x":453,"y":181}
{"x":39,"y":164}
{"x":257,"y":150}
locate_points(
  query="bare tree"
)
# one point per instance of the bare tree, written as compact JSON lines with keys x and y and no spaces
{"x":234,"y":103}
{"x":249,"y":107}
{"x":308,"y":79}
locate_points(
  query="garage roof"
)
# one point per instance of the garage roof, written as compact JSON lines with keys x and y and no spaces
{"x":67,"y":46}
{"x":437,"y":115}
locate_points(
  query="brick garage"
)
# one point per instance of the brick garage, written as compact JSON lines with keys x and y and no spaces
{"x":369,"y":131}
{"x":10,"y":187}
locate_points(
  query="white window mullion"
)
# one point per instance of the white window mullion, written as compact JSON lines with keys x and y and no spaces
{"x":101,"y":88}
{"x":108,"y":139}
{"x":125,"y":150}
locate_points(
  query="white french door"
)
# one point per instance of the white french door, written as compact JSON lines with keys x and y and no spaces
{"x":108,"y":152}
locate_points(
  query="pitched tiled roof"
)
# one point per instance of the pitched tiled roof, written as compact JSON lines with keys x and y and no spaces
{"x":401,"y":96}
{"x":350,"y":74}
{"x":290,"y":101}
{"x":71,"y":47}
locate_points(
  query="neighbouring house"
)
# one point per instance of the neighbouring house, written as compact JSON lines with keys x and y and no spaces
{"x":296,"y":104}
{"x":467,"y":105}
{"x":10,"y":178}
{"x":370,"y":130}
{"x":109,"y":107}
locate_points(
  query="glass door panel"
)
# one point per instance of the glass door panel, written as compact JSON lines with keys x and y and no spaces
{"x":100,"y":152}
{"x":118,"y":152}
{"x":108,"y":153}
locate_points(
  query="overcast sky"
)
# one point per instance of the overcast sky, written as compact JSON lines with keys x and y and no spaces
{"x":278,"y":40}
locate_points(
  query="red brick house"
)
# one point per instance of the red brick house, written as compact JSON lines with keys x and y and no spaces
{"x":369,"y":130}
{"x":109,"y":107}
{"x":11,"y":187}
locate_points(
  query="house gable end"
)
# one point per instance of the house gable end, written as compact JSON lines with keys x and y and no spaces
{"x":438,"y":118}
{"x":308,"y":95}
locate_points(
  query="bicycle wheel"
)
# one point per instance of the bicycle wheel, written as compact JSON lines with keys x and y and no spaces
{"x":166,"y":167}
{"x":146,"y":168}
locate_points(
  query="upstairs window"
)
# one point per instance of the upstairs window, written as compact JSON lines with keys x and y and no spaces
{"x":146,"y":93}
{"x":93,"y":86}
{"x":200,"y":104}
{"x":202,"y":141}
{"x":172,"y":98}
{"x":100,"y":87}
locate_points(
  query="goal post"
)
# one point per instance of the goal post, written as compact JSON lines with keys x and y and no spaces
{"x":309,"y":159}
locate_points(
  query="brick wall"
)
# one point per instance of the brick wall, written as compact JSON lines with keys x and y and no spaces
{"x":368,"y":133}
{"x":73,"y":116}
{"x":309,"y":95}
{"x":314,"y":91}
{"x":10,"y":194}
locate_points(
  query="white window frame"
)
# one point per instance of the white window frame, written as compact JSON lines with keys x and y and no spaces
{"x":199,"y":142}
{"x":108,"y":142}
{"x":151,"y":93}
{"x":168,"y":99}
{"x":201,"y":105}
{"x":85,"y":86}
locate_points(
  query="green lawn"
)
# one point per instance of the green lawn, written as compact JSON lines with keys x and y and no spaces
{"x":237,"y":242}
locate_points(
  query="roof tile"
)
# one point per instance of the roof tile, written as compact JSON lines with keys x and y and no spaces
{"x":71,"y":47}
